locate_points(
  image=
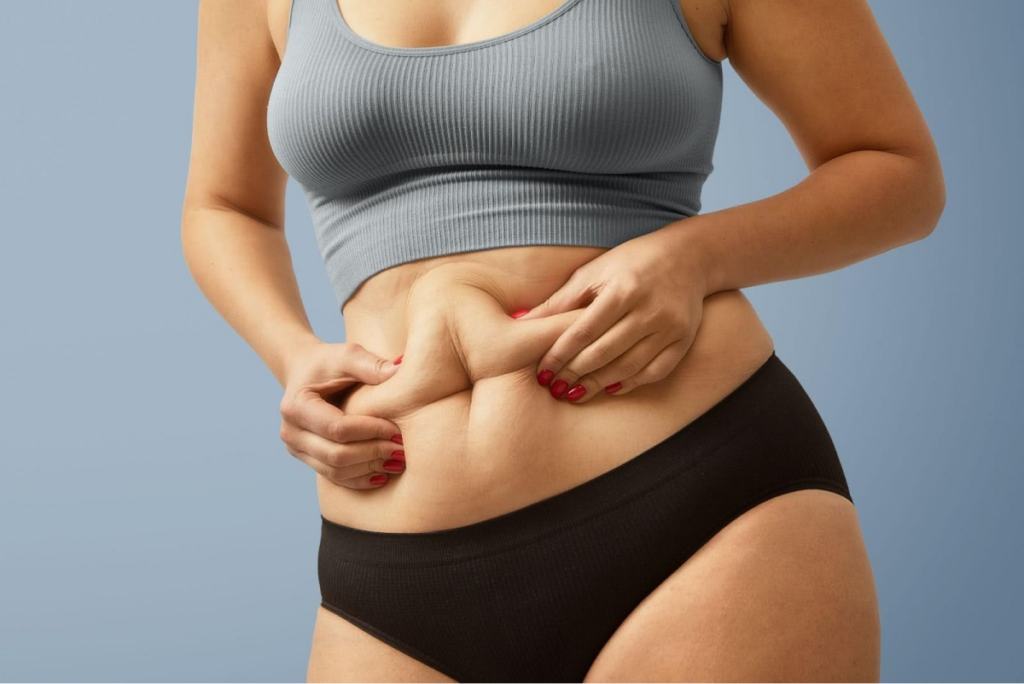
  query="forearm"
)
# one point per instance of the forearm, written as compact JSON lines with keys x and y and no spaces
{"x":243,"y":267}
{"x":850,"y":208}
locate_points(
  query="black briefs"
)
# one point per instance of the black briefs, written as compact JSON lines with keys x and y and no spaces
{"x":534,"y":594}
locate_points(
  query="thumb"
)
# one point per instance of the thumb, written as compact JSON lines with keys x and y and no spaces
{"x":354,"y":362}
{"x":567,"y":298}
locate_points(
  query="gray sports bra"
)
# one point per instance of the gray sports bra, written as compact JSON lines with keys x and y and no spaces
{"x":590,"y":126}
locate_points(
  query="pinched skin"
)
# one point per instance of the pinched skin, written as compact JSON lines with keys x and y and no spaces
{"x":482,"y":437}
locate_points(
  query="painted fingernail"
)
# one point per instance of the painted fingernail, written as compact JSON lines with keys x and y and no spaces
{"x":393,"y":465}
{"x":521,"y":312}
{"x":558,"y":389}
{"x":576,"y":393}
{"x":397,"y":439}
{"x":544,"y":377}
{"x":613,"y":388}
{"x":398,"y":455}
{"x":378,"y":479}
{"x":398,"y":360}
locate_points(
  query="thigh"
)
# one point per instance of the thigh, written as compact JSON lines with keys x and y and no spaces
{"x":342,"y":652}
{"x":785,"y":592}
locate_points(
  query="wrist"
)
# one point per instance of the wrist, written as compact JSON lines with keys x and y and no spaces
{"x":692,"y":248}
{"x":292,"y":354}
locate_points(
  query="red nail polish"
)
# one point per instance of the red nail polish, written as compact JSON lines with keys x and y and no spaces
{"x":378,"y":479}
{"x":398,"y":455}
{"x":613,"y":388}
{"x":394,"y":465}
{"x":576,"y":393}
{"x":544,"y":377}
{"x":558,"y":389}
{"x":397,"y":439}
{"x":521,"y":312}
{"x":398,"y":360}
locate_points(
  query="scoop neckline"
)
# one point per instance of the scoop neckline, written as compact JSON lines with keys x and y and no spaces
{"x":424,"y":50}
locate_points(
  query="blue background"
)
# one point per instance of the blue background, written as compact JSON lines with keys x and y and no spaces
{"x":152,"y":525}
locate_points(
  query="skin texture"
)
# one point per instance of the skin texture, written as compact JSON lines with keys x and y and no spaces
{"x":785,"y":592}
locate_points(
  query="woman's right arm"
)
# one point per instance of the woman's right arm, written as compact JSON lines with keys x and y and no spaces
{"x":233,"y":216}
{"x":233,"y":240}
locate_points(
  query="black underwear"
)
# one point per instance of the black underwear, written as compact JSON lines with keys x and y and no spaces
{"x":534,"y":594}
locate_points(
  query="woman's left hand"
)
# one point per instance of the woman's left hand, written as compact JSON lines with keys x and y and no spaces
{"x":644,"y":301}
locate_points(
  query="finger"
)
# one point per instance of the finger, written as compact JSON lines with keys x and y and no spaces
{"x":374,"y":481}
{"x":353,"y":457}
{"x":336,"y":476}
{"x":627,"y":366}
{"x":310,"y":411}
{"x":575,"y":293}
{"x":599,"y":316}
{"x":658,"y":369}
{"x":349,"y":362}
{"x":615,"y":342}
{"x":365,"y":366}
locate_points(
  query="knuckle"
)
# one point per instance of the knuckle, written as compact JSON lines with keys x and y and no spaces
{"x":582,"y":335}
{"x":554,"y":360}
{"x":652,"y":373}
{"x":679,"y":321}
{"x":642,"y":379}
{"x":675,"y":318}
{"x":337,"y":456}
{"x":569,"y":375}
{"x":629,"y":285}
{"x":288,"y":408}
{"x":337,"y":431}
{"x":629,"y":368}
{"x":651,"y":318}
{"x":600,"y":353}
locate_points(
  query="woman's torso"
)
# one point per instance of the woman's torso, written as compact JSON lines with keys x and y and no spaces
{"x":481,"y":435}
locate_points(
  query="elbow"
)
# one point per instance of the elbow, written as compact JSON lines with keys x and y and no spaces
{"x":184,"y":236}
{"x":935,"y":204}
{"x":930,"y":197}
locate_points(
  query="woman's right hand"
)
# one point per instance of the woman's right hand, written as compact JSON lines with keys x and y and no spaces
{"x":352,"y":451}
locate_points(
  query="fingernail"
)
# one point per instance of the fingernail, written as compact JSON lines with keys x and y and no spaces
{"x":398,"y":455}
{"x":576,"y":393}
{"x":397,"y":439}
{"x":394,"y":465}
{"x":613,"y":388}
{"x":521,"y":312}
{"x":398,"y":360}
{"x":380,"y":478}
{"x":544,"y":377}
{"x":558,"y":389}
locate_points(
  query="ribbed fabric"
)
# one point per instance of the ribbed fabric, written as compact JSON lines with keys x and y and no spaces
{"x":590,"y":126}
{"x":534,"y":594}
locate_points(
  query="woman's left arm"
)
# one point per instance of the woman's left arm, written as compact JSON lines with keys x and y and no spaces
{"x":875,"y":183}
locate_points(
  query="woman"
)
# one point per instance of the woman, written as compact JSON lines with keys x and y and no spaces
{"x":557,"y":444}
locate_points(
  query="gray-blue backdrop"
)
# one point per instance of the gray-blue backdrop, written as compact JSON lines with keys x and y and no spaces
{"x":152,"y":526}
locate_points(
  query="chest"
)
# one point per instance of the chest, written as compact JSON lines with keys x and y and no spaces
{"x":596,"y":86}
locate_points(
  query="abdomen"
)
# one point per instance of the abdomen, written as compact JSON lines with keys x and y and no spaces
{"x":481,"y":436}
